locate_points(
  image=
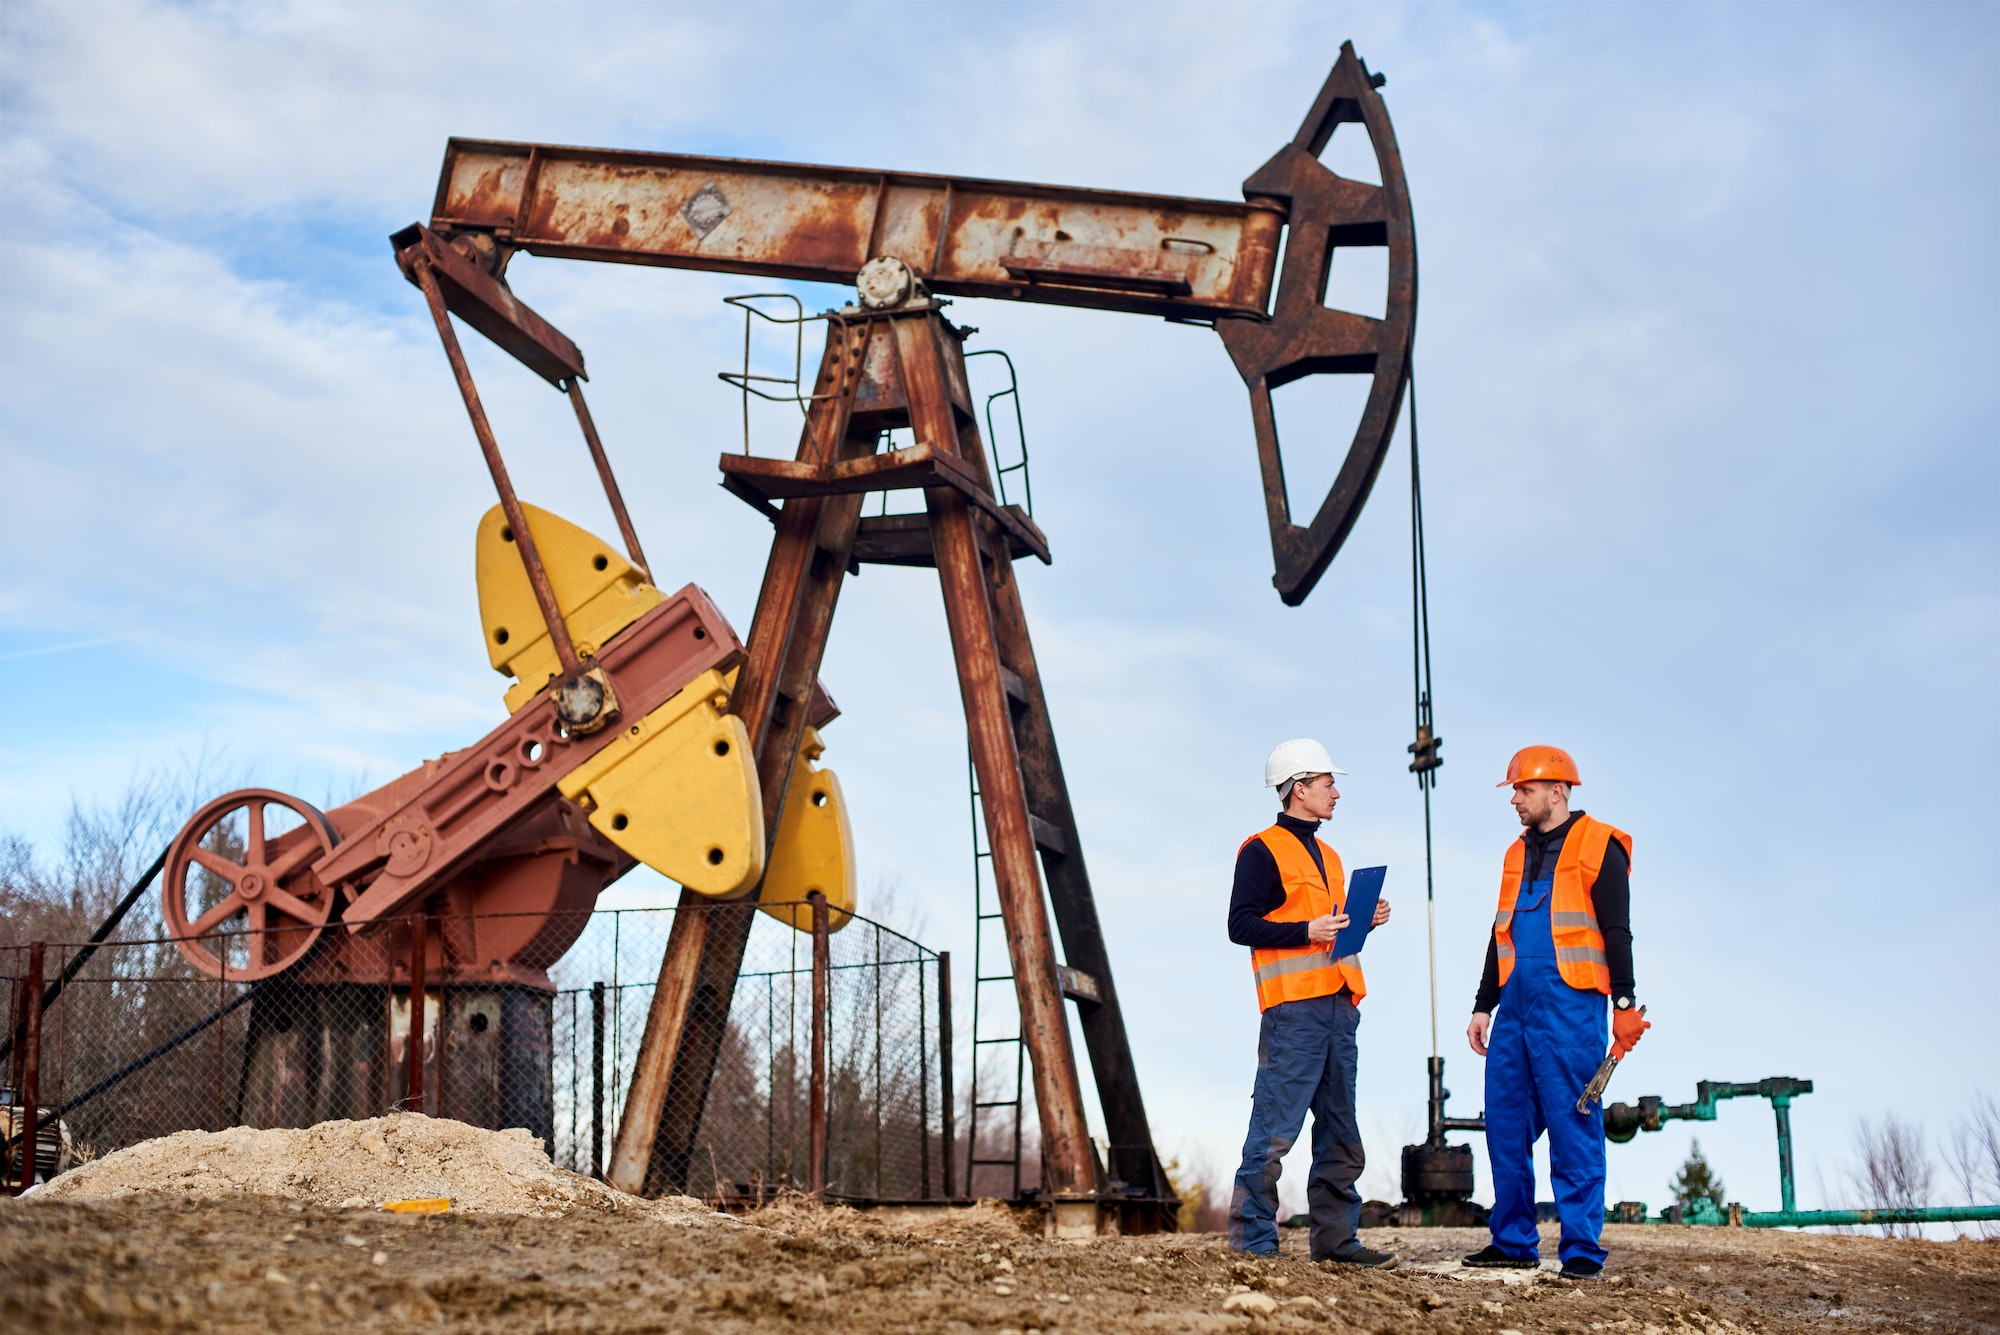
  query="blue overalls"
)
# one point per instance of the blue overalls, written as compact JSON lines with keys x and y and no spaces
{"x":1548,"y":1039}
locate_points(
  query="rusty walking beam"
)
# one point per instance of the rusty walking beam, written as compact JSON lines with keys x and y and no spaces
{"x":1111,"y":250}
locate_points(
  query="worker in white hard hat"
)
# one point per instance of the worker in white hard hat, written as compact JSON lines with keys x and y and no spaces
{"x":1286,"y":906}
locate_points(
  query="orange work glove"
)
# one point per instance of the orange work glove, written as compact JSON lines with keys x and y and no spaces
{"x":1626,"y":1027}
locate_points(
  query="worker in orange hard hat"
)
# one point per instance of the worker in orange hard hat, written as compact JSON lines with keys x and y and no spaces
{"x":1561,"y":943}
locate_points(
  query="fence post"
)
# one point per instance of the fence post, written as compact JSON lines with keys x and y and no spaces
{"x":17,"y":1020}
{"x":822,"y":961}
{"x":597,"y":1080}
{"x":923,"y":1083}
{"x":414,"y":1084}
{"x":31,"y":1068}
{"x":944,"y":1074}
{"x":252,"y":943}
{"x":444,"y":1029}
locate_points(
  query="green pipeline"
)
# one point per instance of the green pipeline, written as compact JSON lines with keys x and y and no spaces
{"x":1938,"y":1214}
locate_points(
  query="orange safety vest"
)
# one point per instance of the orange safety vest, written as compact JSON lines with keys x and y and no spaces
{"x":1572,"y":918}
{"x":1294,"y":973}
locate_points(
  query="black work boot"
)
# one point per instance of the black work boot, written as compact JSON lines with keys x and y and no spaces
{"x":1578,"y":1268}
{"x":1362,"y":1256}
{"x":1491,"y":1257}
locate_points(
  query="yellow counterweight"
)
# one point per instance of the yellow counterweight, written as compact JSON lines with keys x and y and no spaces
{"x":598,"y":591}
{"x":678,"y":791}
{"x":814,"y":848}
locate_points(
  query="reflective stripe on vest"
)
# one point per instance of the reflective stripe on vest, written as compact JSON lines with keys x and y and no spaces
{"x":1294,"y":973}
{"x":1572,"y":919}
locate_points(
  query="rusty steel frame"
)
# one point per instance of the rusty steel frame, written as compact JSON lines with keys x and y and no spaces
{"x":967,"y":560}
{"x":1193,"y":261}
{"x":1030,"y":824}
{"x":573,"y":387}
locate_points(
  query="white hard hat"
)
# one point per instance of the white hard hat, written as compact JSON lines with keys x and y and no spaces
{"x":1296,"y":759}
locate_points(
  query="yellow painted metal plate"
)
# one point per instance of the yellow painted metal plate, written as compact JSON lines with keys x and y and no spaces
{"x":599,"y":592}
{"x":814,"y":848}
{"x":678,"y":790}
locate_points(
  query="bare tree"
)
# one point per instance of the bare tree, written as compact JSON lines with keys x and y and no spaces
{"x":1203,"y":1192}
{"x":1975,"y":1155}
{"x":1895,"y":1170}
{"x":104,"y":848}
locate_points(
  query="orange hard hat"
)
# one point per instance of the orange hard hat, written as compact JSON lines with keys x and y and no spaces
{"x":1539,"y":762}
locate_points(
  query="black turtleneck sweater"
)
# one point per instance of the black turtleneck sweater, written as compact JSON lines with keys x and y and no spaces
{"x":1259,"y":890}
{"x":1610,"y":900}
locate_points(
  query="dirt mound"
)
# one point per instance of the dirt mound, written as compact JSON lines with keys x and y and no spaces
{"x":360,"y":1165}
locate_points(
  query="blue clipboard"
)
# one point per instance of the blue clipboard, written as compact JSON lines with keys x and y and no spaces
{"x":1364,"y":891}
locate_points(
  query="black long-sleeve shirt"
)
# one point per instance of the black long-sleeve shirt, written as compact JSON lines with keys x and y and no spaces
{"x":1260,"y":890}
{"x":1610,"y":900}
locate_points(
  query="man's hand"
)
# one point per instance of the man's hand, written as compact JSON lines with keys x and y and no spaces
{"x":1626,"y":1029}
{"x":1381,"y":913}
{"x":1325,"y":927}
{"x":1475,"y":1033}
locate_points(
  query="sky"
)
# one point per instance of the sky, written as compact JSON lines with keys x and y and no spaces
{"x":1709,"y":376}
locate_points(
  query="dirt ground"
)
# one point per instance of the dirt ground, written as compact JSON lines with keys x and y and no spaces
{"x":147,"y":1263}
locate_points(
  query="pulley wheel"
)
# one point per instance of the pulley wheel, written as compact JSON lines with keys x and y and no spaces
{"x":234,"y":892}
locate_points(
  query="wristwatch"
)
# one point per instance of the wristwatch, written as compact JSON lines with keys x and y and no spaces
{"x":1623,"y":1003}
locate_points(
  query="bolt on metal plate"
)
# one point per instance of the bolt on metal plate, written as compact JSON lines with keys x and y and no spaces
{"x":705,"y":210}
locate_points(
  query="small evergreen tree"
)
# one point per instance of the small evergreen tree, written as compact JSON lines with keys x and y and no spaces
{"x":1695,"y":1180}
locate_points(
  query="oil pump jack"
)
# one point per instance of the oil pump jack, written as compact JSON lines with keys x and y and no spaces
{"x":713,"y":738}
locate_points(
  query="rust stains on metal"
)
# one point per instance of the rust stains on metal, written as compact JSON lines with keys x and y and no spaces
{"x":1193,"y":260}
{"x":777,"y":696}
{"x":1093,"y":247}
{"x":653,"y":1069}
{"x":574,"y":388}
{"x":958,"y":549}
{"x":486,"y":303}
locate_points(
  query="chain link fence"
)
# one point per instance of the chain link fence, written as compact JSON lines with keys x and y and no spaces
{"x":139,"y":1039}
